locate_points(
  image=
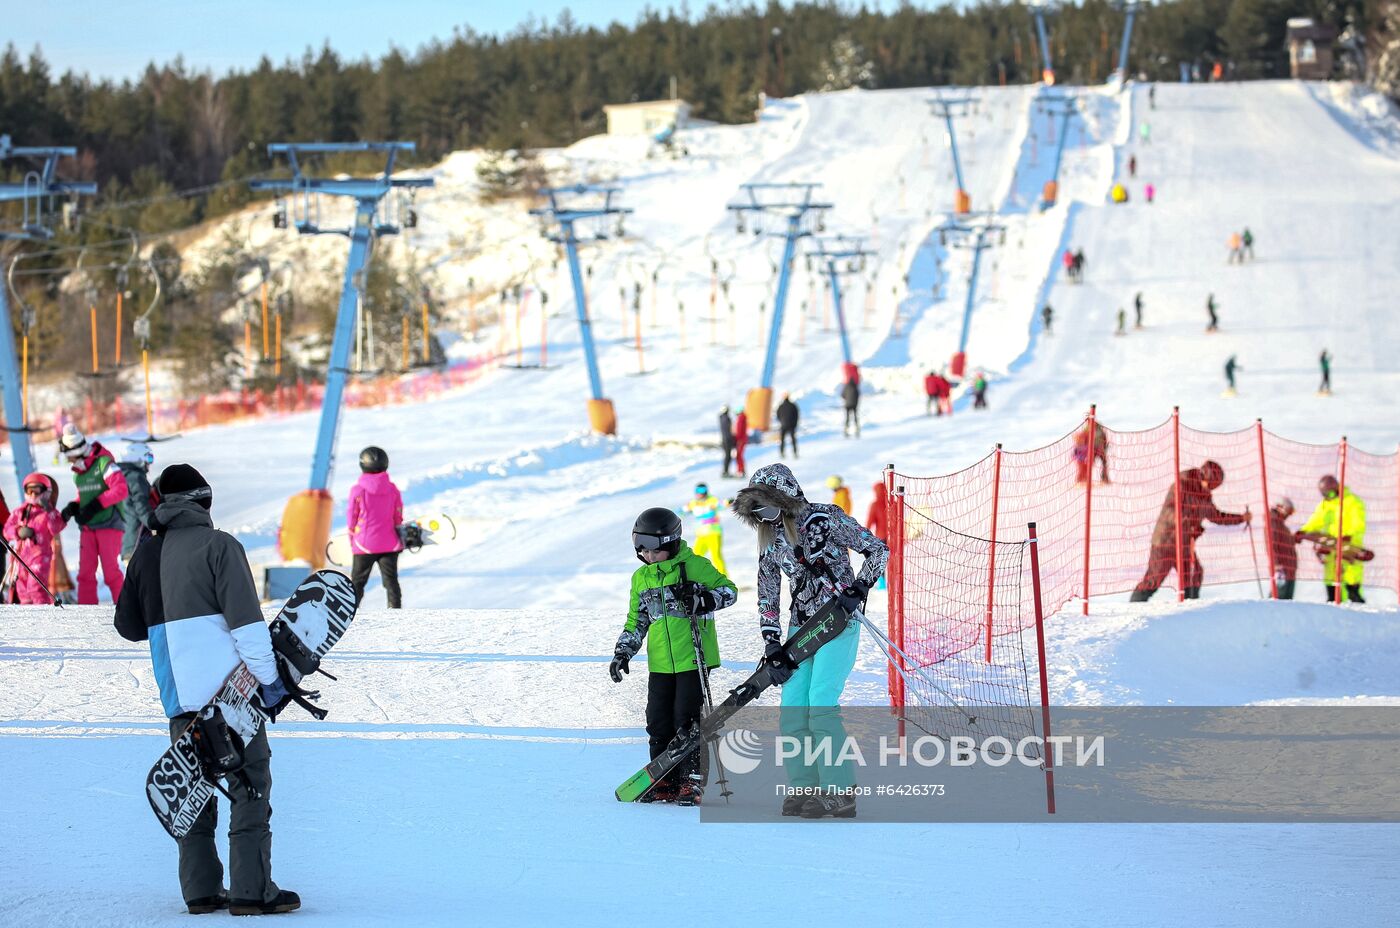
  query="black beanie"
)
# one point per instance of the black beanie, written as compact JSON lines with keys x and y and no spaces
{"x":182,"y":481}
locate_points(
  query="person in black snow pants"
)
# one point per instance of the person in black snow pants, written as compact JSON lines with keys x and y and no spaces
{"x":850,"y":398}
{"x":1137,"y":310}
{"x":726,"y":437}
{"x":1231,"y":366}
{"x":1047,"y":315}
{"x":788,"y":415}
{"x":1214,"y":317}
{"x":1325,"y":360}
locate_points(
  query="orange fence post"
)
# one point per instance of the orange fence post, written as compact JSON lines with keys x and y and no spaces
{"x":427,"y":339}
{"x":1089,"y":496}
{"x":1176,"y":494}
{"x":264,"y":319}
{"x":92,"y":315}
{"x":117,"y":340}
{"x":1268,"y":520}
{"x":992,"y":548}
{"x":1341,"y":513}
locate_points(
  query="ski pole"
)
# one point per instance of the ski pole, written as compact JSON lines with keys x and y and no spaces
{"x":1253,"y":555}
{"x":704,"y":672}
{"x":15,"y":554}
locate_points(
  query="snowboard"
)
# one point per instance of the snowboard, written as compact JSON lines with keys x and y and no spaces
{"x":806,"y":641}
{"x":431,"y":529}
{"x":1323,"y":549}
{"x":183,"y":779}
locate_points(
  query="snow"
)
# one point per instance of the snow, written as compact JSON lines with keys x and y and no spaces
{"x":467,"y":768}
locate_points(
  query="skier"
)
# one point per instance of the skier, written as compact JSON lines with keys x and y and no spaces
{"x":1084,"y":457}
{"x":726,"y":437}
{"x":1068,"y":260}
{"x":98,"y":509}
{"x":931,"y":391}
{"x":191,"y":595}
{"x":850,"y":398}
{"x":1079,"y":263}
{"x":1325,"y":361}
{"x":673,"y":587}
{"x":810,"y":544}
{"x":1132,"y":165}
{"x":1197,"y":507}
{"x":1247,"y":245}
{"x":840,"y":494}
{"x":1211,"y":311}
{"x":1323,"y":528}
{"x":1150,"y":193}
{"x":1145,"y":132}
{"x":1047,"y":316}
{"x":1231,"y":365}
{"x":1236,"y":244}
{"x":1137,"y":310}
{"x":140,"y":499}
{"x":1285,"y":547}
{"x":979,"y":391}
{"x":709,"y":536}
{"x":741,"y":440}
{"x":374,"y":514}
{"x":788,"y":415}
{"x":32,"y":528}
{"x":1122,"y":322}
{"x":1152,"y":96}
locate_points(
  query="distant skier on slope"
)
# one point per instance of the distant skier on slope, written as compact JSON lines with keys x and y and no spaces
{"x":1324,"y":360}
{"x":1211,"y":307}
{"x":1122,"y":322}
{"x":1137,"y":310}
{"x":850,"y":399}
{"x":1246,"y":245}
{"x":1231,"y":366}
{"x":1047,"y":316}
{"x":673,"y":587}
{"x":726,"y":438}
{"x":788,"y":416}
{"x":979,"y":391}
{"x":709,"y":534}
{"x":1197,"y":507}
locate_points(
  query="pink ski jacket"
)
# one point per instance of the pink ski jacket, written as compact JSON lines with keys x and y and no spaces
{"x":375,"y":514}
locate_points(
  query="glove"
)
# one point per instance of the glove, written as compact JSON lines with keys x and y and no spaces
{"x":780,"y":666}
{"x":696,"y":598}
{"x":852,"y":598}
{"x":272,"y":694}
{"x":69,"y":511}
{"x":619,"y":666}
{"x":88,"y":510}
{"x":25,"y":532}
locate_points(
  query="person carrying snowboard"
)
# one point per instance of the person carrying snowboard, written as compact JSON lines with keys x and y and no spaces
{"x":140,"y":499}
{"x":850,"y":399}
{"x":709,"y":536}
{"x":788,"y":414}
{"x":810,"y":544}
{"x":1285,"y":547}
{"x":190,"y":594}
{"x":1338,"y":521}
{"x":98,"y":509}
{"x":726,"y":438}
{"x":31,"y":528}
{"x":1324,"y":360}
{"x":374,"y":513}
{"x":673,"y":588}
{"x":1197,"y":507}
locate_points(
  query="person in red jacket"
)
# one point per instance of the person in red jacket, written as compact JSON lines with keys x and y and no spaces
{"x":99,"y":510}
{"x":1285,"y":547}
{"x":374,"y":516}
{"x":1197,"y":507}
{"x":741,"y":440}
{"x":32,"y":528}
{"x":931,"y":391}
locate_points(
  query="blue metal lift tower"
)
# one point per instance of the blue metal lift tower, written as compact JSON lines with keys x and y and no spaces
{"x":1130,"y":10}
{"x":1038,"y":12}
{"x":306,"y":522}
{"x":842,"y":256}
{"x":1063,"y":107}
{"x":975,"y":234}
{"x":947,"y":107}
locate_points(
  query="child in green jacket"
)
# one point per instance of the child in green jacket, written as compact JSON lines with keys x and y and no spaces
{"x":673,"y":587}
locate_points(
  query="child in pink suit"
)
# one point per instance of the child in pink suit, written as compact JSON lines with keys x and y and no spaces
{"x":374,"y":516}
{"x":31,"y":528}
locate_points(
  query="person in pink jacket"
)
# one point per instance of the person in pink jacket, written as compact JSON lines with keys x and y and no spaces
{"x":374,"y":517}
{"x":31,"y":529}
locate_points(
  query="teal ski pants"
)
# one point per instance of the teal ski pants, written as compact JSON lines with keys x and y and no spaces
{"x":811,"y":712}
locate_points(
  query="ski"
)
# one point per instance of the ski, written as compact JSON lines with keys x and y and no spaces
{"x":806,"y":641}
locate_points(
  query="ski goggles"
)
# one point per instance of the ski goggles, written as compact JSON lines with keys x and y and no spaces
{"x":768,"y":513}
{"x":651,"y":542}
{"x":35,"y":489}
{"x":1329,"y":494}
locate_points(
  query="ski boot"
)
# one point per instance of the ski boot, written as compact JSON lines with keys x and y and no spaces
{"x":665,"y":791}
{"x":832,"y":804}
{"x":286,"y":901}
{"x":689,"y":794}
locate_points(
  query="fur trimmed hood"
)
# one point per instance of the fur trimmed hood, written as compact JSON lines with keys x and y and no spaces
{"x":773,"y":485}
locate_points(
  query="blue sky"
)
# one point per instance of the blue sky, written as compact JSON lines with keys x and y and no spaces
{"x":116,"y":38}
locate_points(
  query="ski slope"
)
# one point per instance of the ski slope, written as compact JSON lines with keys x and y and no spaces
{"x":468,"y":768}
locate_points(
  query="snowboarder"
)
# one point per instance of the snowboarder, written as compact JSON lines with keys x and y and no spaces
{"x":709,"y":534}
{"x":1285,"y":547}
{"x":1150,"y":193}
{"x":32,"y":528}
{"x":98,"y":509}
{"x":810,"y":544}
{"x":1323,"y":528}
{"x":1246,"y":245}
{"x":1236,"y":245}
{"x":840,"y":493}
{"x":1211,"y":311}
{"x":850,"y":398}
{"x":1132,"y":165}
{"x":374,"y":513}
{"x":788,"y":416}
{"x":979,"y":391}
{"x":140,"y":499}
{"x":741,"y":440}
{"x":1325,"y":361}
{"x":1137,"y":310}
{"x":1079,"y":263}
{"x":1084,"y":458}
{"x":726,"y":438}
{"x":673,"y":587}
{"x":1231,"y":365}
{"x":191,"y":594}
{"x":1197,"y":507}
{"x":1047,"y":316}
{"x":1122,"y":322}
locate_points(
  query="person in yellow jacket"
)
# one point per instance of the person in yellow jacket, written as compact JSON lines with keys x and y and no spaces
{"x":1324,"y":528}
{"x":840,"y":494}
{"x":709,"y":534}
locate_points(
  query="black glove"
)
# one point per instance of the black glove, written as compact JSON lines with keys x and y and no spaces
{"x":696,"y":598}
{"x":852,"y":598}
{"x":619,"y":666}
{"x":780,"y":666}
{"x":25,"y":532}
{"x":88,"y":510}
{"x":69,"y":511}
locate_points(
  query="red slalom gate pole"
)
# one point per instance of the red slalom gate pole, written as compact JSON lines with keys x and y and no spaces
{"x":1341,"y":513}
{"x":992,"y":547}
{"x":1268,"y":519}
{"x":1176,"y":477}
{"x":1089,"y":497}
{"x":1044,"y":678}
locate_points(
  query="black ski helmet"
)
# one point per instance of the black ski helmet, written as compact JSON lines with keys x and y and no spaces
{"x":374,"y":460}
{"x":657,"y":527}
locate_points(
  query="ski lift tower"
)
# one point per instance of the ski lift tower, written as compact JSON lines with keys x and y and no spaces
{"x":1064,"y":107}
{"x":592,"y":207}
{"x":1039,"y":11}
{"x":947,"y":107}
{"x":976,"y":234}
{"x":306,"y":522}
{"x":37,"y":192}
{"x":842,"y":255}
{"x":778,"y":209}
{"x":1130,"y":10}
